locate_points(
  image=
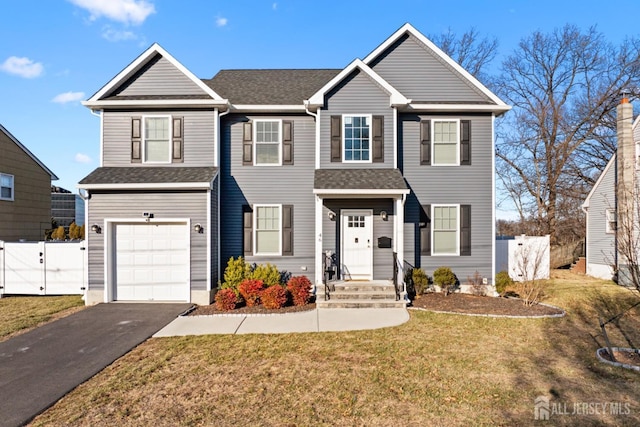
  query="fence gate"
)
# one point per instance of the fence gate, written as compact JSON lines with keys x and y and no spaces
{"x":42,"y":268}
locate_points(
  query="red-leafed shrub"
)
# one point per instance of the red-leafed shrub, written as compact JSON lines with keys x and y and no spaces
{"x":300,"y":289}
{"x":250,"y":290}
{"x":274,"y":297}
{"x":226,"y":299}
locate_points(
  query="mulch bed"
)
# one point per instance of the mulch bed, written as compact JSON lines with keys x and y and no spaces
{"x":206,"y":310}
{"x":626,"y":357}
{"x":472,"y":304}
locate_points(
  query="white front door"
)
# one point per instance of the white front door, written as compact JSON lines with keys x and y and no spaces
{"x":357,"y":244}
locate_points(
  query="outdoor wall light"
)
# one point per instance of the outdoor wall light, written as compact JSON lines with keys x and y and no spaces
{"x":198,"y":228}
{"x":384,"y":215}
{"x":332,"y":216}
{"x":96,"y":228}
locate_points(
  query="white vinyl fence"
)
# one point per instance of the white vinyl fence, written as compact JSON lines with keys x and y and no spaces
{"x":43,"y":268}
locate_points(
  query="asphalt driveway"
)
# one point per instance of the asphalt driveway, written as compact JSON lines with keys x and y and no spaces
{"x":41,"y":366}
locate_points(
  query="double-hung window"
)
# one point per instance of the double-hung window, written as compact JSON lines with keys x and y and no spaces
{"x":611,"y":222}
{"x":446,"y":142}
{"x":357,"y":146}
{"x":268,"y":229}
{"x":446,"y":226}
{"x":268,"y":140}
{"x":6,"y":187}
{"x":157,"y":139}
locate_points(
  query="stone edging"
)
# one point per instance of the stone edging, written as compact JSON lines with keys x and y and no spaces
{"x":621,"y":365}
{"x":505,"y":316}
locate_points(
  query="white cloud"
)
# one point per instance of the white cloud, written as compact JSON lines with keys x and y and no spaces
{"x":221,"y":22}
{"x":125,"y":11}
{"x":274,"y":6}
{"x":23,"y":67}
{"x":114,"y":35}
{"x":65,"y":98}
{"x":82,"y":158}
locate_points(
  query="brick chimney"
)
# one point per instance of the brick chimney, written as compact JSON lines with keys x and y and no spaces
{"x":626,"y":187}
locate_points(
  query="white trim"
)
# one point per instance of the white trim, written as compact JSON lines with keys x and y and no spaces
{"x":12,"y":187}
{"x":587,"y":201}
{"x":395,"y":137}
{"x":154,"y":103}
{"x":433,"y":229}
{"x":356,"y":212}
{"x":317,"y":125}
{"x":343,"y":123}
{"x":142,"y":60}
{"x":355,"y":192}
{"x":169,"y":138}
{"x":207,"y":236}
{"x":395,"y":97}
{"x":426,"y":108}
{"x":408,"y":28}
{"x":319,"y":203}
{"x":493,"y":200}
{"x":256,"y":143}
{"x":433,"y":139}
{"x":27,"y":152}
{"x":255,"y":229}
{"x":151,"y":186}
{"x":398,"y":229}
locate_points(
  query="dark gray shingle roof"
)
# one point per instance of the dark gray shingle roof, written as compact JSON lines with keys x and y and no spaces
{"x":150,"y":175}
{"x":269,"y":87}
{"x":359,"y":179}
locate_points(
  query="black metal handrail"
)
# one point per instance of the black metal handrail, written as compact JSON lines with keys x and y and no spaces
{"x":396,"y":268}
{"x":329,"y":271}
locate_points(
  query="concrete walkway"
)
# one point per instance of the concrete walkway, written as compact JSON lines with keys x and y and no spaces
{"x":318,"y":320}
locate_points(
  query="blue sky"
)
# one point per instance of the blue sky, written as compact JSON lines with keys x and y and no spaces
{"x":55,"y":53}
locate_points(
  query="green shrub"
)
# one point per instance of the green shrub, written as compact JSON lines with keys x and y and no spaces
{"x":444,"y":277}
{"x":420,"y":281}
{"x":226,"y":299}
{"x":503,"y":282}
{"x":274,"y":297}
{"x":237,"y":270}
{"x":300,"y":289}
{"x":251,"y":290}
{"x":268,"y":273}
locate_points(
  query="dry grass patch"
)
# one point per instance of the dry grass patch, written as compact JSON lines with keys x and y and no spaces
{"x":437,"y":369}
{"x":19,"y":314}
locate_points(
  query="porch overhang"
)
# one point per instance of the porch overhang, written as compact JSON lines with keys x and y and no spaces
{"x":150,"y":178}
{"x":360,"y":183}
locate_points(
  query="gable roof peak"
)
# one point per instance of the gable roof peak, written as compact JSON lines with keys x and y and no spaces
{"x":27,"y":152}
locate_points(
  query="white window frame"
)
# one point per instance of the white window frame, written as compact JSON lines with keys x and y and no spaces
{"x":255,"y":229}
{"x":369,"y":118}
{"x":433,"y":230}
{"x":144,"y":139}
{"x":433,"y":142}
{"x":13,"y":187}
{"x":610,"y":218}
{"x":256,"y":143}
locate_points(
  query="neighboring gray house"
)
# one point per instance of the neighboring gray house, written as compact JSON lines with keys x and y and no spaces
{"x":605,"y":203}
{"x":392,"y":154}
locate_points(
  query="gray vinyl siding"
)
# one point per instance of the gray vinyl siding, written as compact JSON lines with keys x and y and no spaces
{"x":421,"y":76}
{"x":285,"y":185}
{"x":600,"y":244}
{"x":382,"y":257}
{"x":198,"y":142}
{"x":160,"y":77}
{"x":471,"y":185}
{"x":163,"y":204}
{"x":358,"y":94}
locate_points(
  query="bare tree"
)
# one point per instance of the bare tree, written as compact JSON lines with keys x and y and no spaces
{"x":563,"y":87}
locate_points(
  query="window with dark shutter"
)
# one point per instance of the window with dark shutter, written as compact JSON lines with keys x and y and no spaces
{"x":378,"y":139}
{"x":247,"y":229}
{"x":425,"y":230}
{"x":465,"y":142}
{"x":287,"y":142}
{"x":465,"y":230}
{"x":136,"y":139}
{"x":178,"y":140}
{"x":287,"y":230}
{"x":425,"y":142}
{"x":336,"y":138}
{"x":247,"y":143}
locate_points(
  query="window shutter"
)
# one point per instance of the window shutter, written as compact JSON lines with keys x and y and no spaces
{"x":247,"y":143}
{"x":425,"y":230}
{"x":336,"y":138}
{"x":465,"y":230}
{"x":465,"y":142}
{"x":247,"y":228}
{"x":425,"y":142}
{"x":178,"y":144}
{"x":136,"y":139}
{"x":287,"y":142}
{"x":287,"y":230}
{"x":378,"y":139}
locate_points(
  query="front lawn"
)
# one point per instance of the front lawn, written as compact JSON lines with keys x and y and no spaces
{"x":20,"y":313}
{"x":437,"y":369}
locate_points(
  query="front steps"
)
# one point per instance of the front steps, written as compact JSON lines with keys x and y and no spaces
{"x":360,"y":294}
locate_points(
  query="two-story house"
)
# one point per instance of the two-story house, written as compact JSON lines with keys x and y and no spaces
{"x":392,"y":154}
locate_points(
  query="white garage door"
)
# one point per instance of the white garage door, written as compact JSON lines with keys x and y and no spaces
{"x":151,"y":262}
